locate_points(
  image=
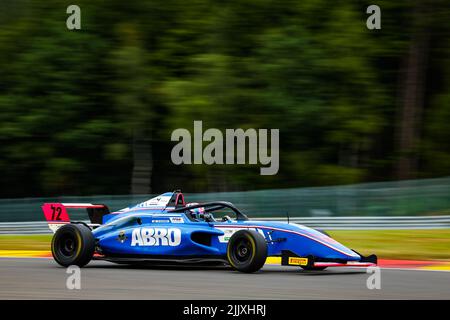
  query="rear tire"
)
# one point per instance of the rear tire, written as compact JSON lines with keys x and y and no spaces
{"x":73,"y":244}
{"x":247,"y":251}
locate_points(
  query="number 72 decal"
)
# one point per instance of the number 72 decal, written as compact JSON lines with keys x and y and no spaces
{"x":55,"y":212}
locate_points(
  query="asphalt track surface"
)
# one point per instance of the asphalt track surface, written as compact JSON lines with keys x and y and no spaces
{"x":41,"y":278}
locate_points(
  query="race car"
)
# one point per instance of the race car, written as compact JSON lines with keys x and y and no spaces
{"x":166,"y":229}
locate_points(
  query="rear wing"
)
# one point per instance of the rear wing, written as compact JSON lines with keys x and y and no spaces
{"x":56,"y":213}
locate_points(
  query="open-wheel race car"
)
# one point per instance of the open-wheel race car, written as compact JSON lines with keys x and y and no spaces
{"x":166,"y":229}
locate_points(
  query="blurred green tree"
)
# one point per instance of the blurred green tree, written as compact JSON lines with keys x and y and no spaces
{"x":91,"y":111}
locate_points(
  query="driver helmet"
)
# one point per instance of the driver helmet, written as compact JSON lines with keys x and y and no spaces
{"x":196,"y":212}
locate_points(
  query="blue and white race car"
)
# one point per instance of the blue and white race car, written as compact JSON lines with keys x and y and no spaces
{"x":166,"y":229}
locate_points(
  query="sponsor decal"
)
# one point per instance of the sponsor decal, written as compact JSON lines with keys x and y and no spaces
{"x":160,"y":201}
{"x":298,"y":261}
{"x":160,"y":221}
{"x":228,"y":232}
{"x":176,"y":220}
{"x":121,"y":237}
{"x":156,"y":237}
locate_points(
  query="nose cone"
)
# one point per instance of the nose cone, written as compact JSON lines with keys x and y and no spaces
{"x":324,"y":246}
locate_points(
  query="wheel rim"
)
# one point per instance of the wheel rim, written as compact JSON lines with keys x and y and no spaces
{"x":243,"y":250}
{"x":67,"y":245}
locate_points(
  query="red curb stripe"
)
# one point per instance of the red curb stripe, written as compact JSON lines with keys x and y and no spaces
{"x":407,"y":263}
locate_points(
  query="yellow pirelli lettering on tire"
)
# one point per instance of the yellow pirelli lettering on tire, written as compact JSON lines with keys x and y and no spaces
{"x":298,"y":261}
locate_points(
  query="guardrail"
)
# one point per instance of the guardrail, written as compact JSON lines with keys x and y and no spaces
{"x":31,"y":227}
{"x":326,"y":223}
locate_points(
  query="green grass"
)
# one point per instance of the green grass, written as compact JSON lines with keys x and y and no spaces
{"x":387,"y":244}
{"x":25,"y":242}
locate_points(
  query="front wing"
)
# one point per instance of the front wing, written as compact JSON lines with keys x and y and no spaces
{"x":288,"y":258}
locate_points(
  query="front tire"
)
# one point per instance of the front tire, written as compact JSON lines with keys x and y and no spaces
{"x":73,"y":244}
{"x":247,"y":251}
